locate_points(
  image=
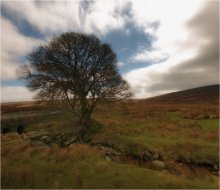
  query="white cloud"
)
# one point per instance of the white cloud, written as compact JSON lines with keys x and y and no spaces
{"x":46,"y":16}
{"x":8,"y":70}
{"x":103,"y":16}
{"x":120,"y":64}
{"x":14,"y":46}
{"x":152,"y":56}
{"x":166,"y":22}
{"x":141,"y":79}
{"x":15,"y":93}
{"x":61,"y":16}
{"x":192,"y":48}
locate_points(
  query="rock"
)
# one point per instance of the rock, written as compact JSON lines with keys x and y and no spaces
{"x":24,"y":136}
{"x":108,"y":158}
{"x":44,"y":138}
{"x":155,"y":156}
{"x":69,"y":141}
{"x":158,"y":164}
{"x":115,"y":159}
{"x":146,"y":155}
{"x":59,"y":137}
{"x":111,"y":152}
{"x":212,"y":116}
{"x":37,"y":133}
{"x":38,"y":143}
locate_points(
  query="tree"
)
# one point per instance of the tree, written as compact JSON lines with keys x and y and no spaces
{"x":77,"y":70}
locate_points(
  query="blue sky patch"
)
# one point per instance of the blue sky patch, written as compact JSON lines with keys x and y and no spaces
{"x":126,"y":43}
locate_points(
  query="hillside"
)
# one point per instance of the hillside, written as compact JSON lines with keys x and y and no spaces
{"x":204,"y":94}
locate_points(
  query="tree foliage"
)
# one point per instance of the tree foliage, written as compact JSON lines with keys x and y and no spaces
{"x":77,"y":70}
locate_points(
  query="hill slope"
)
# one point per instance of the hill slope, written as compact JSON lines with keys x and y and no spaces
{"x":209,"y":94}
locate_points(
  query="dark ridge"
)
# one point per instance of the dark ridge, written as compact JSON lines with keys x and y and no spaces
{"x":204,"y":94}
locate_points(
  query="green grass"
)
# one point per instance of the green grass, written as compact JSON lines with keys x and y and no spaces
{"x":173,"y":115}
{"x":186,"y":140}
{"x":206,"y":124}
{"x":80,"y":166}
{"x":188,"y":150}
{"x":132,"y":132}
{"x":209,"y":124}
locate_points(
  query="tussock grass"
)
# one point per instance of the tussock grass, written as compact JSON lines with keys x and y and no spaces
{"x":74,"y":167}
{"x":132,"y":128}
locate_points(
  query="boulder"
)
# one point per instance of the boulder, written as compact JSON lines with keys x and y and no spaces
{"x":155,"y":156}
{"x":158,"y":164}
{"x":38,"y":143}
{"x":37,"y":134}
{"x":146,"y":155}
{"x":25,"y":136}
{"x":216,"y":167}
{"x":44,"y":138}
{"x":108,"y":158}
{"x":69,"y":141}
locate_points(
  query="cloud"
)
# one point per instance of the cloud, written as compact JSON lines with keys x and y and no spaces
{"x":105,"y":16}
{"x":8,"y":70}
{"x":142,"y":79}
{"x":53,"y":17}
{"x":45,"y":16}
{"x":149,"y":56}
{"x":14,"y":46}
{"x":165,"y":22}
{"x":15,"y":93}
{"x":180,"y":36}
{"x":192,"y":62}
{"x":120,"y":64}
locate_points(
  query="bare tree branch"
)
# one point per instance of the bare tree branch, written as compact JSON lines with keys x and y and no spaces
{"x":77,"y":70}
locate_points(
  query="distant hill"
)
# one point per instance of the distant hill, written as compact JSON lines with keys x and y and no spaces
{"x":204,"y":94}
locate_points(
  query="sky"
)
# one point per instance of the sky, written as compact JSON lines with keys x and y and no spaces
{"x":162,"y":45}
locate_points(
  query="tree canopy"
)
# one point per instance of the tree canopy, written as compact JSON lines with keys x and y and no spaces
{"x":77,"y":70}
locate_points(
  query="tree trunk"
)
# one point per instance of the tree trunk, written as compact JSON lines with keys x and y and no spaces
{"x":85,"y":122}
{"x":85,"y":132}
